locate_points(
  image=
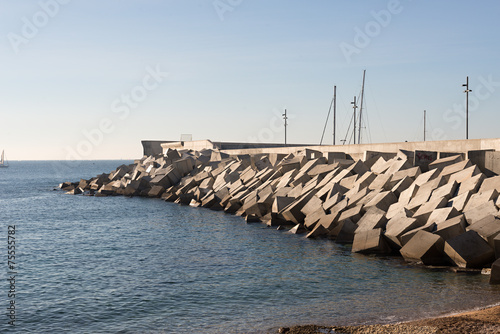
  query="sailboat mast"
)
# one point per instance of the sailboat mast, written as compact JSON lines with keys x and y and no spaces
{"x":361,"y":106}
{"x":334,"y":112}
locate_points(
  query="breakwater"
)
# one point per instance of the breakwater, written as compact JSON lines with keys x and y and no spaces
{"x":442,"y":212}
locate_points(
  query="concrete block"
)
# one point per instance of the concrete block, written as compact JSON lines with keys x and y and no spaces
{"x":335,"y":156}
{"x":447,"y":191}
{"x":370,"y":242}
{"x":322,"y":170}
{"x":426,"y":177}
{"x":424,"y":247}
{"x":496,"y":241}
{"x":481,"y":198}
{"x":329,"y":221}
{"x":443,"y":155}
{"x":424,"y":193}
{"x":451,"y":228}
{"x":286,"y":178}
{"x":439,"y":164}
{"x":372,"y":219}
{"x":398,"y":226}
{"x":355,"y":197}
{"x":341,"y":175}
{"x":398,"y":210}
{"x":408,"y":194}
{"x":354,"y":214}
{"x":488,"y":228}
{"x":312,"y":205}
{"x":412,"y":173}
{"x":459,"y":202}
{"x":366,"y":179}
{"x":495,"y":272}
{"x":441,"y":215}
{"x":313,"y":218}
{"x":318,"y":231}
{"x":382,"y":200}
{"x":348,"y":182}
{"x":469,"y":250}
{"x":465,"y":174}
{"x":369,"y":155}
{"x":424,"y":211}
{"x":298,"y":229}
{"x":281,"y":203}
{"x":410,"y":234}
{"x":293,"y":212}
{"x":381,"y":182}
{"x":380,"y":166}
{"x":343,"y":232}
{"x":401,"y":186}
{"x":490,"y":183}
{"x":424,"y":158}
{"x":476,"y":214}
{"x":332,"y":201}
{"x":275,"y":158}
{"x":455,"y":168}
{"x":358,"y":168}
{"x":156,"y":191}
{"x":397,"y":164}
{"x":329,"y":190}
{"x":471,"y":184}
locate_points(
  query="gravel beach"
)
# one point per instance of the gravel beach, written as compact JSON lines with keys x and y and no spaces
{"x":485,"y":321}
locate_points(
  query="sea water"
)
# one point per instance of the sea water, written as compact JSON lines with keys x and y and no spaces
{"x":134,"y":265}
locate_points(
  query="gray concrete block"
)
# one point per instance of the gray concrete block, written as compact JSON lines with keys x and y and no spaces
{"x":480,"y":212}
{"x":455,"y":168}
{"x":451,"y":228}
{"x":329,"y":221}
{"x":380,"y":166}
{"x":447,"y":191}
{"x":322,"y":170}
{"x":495,"y":272}
{"x":480,"y":198}
{"x":488,"y":228}
{"x":397,"y":164}
{"x":412,"y":173}
{"x":398,"y":210}
{"x":443,"y":162}
{"x":424,"y":158}
{"x":156,"y":191}
{"x":424,"y":211}
{"x":318,"y":231}
{"x":424,"y":247}
{"x":372,"y":219}
{"x":408,"y":194}
{"x":410,"y":234}
{"x":335,"y":156}
{"x":298,"y":229}
{"x":354,"y":214}
{"x":349,"y":181}
{"x":358,"y":168}
{"x":281,"y":203}
{"x":402,"y":185}
{"x":469,"y":250}
{"x":381,"y":182}
{"x":426,"y":177}
{"x":370,"y":242}
{"x":382,"y":200}
{"x":490,"y":183}
{"x":366,"y":179}
{"x":313,"y":218}
{"x":496,"y":242}
{"x":332,"y":201}
{"x":293,"y":212}
{"x":459,"y":202}
{"x":465,"y":174}
{"x":312,"y":205}
{"x":398,"y":226}
{"x":443,"y":214}
{"x":471,"y":184}
{"x":355,"y":198}
{"x":343,"y":232}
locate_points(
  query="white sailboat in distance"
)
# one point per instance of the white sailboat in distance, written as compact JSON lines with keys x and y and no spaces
{"x":3,"y":162}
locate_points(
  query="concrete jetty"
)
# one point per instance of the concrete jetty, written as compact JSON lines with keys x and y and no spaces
{"x":431,"y":207}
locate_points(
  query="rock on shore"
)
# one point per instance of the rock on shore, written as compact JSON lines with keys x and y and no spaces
{"x":444,"y":213}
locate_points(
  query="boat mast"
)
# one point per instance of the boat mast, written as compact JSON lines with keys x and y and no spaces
{"x":361,"y":107}
{"x":354,"y":116}
{"x":334,"y":111}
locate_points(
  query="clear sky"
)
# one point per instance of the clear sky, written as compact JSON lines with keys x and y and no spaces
{"x":87,"y":79}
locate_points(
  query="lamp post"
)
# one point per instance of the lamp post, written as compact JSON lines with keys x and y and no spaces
{"x":466,"y":91}
{"x":354,"y":107}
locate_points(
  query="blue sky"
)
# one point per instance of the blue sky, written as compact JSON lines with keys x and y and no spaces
{"x":90,"y":79}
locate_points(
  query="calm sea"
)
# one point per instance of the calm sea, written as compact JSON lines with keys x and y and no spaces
{"x":134,"y":265}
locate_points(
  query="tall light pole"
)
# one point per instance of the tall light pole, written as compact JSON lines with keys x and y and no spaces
{"x":466,"y":91}
{"x":286,"y":123}
{"x":354,"y":107}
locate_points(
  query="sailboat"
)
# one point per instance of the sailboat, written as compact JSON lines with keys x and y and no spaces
{"x":3,"y":162}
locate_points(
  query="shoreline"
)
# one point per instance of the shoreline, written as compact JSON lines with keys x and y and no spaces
{"x":484,"y":320}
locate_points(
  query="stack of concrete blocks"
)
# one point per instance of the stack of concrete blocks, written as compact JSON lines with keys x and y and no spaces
{"x":430,"y":210}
